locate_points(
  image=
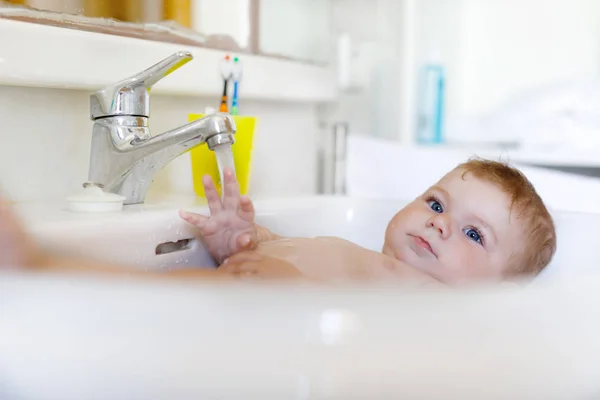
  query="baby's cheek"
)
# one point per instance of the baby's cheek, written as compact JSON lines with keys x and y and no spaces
{"x":394,"y":233}
{"x":464,"y":261}
{"x":390,"y":231}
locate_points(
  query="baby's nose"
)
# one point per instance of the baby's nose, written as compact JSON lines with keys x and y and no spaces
{"x":441,"y":223}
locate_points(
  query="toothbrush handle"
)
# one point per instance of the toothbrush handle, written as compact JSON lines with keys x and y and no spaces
{"x":223,"y":107}
{"x":234,"y":102}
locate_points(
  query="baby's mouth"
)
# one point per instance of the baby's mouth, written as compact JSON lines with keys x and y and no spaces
{"x":424,"y":244}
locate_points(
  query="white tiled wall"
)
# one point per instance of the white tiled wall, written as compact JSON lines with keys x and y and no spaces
{"x":45,"y":143}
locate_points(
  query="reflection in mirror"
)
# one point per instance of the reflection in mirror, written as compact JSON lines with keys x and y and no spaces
{"x":207,"y":19}
{"x":296,"y":29}
{"x":189,"y":22}
{"x":292,"y":29}
{"x":122,"y":10}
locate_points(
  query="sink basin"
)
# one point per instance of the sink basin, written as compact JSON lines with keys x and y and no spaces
{"x":152,"y":236}
{"x":138,"y":237}
{"x":82,"y":337}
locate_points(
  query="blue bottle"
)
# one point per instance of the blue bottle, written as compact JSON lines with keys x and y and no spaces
{"x":430,"y":118}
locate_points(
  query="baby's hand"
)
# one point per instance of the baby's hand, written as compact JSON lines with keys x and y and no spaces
{"x":230,"y":227}
{"x":252,"y":264}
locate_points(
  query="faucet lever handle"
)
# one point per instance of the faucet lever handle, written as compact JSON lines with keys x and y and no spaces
{"x":131,"y":96}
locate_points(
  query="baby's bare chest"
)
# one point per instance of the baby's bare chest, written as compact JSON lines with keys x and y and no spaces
{"x":334,"y":259}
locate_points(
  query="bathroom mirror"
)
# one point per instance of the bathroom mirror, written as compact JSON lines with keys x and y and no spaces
{"x":291,"y":29}
{"x":296,"y":29}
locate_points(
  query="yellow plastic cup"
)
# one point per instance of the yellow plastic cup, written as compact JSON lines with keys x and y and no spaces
{"x":204,"y":161}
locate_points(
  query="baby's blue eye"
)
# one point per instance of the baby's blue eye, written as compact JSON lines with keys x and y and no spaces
{"x":436,"y":206}
{"x":474,"y":235}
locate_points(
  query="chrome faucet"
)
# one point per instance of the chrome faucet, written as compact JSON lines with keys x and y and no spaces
{"x":125,"y":155}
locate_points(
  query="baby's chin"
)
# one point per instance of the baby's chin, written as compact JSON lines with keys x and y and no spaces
{"x":405,"y":255}
{"x":433,"y":268}
{"x":388,"y":250}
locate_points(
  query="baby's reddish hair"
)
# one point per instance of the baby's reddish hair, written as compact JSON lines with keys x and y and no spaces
{"x":540,"y":235}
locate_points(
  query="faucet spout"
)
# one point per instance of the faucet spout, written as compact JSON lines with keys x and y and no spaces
{"x":126,"y":157}
{"x":181,"y":139}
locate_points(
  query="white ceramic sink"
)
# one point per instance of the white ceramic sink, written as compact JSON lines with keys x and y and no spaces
{"x":129,"y":238}
{"x":92,"y":338}
{"x":133,"y":236}
{"x":154,"y":237}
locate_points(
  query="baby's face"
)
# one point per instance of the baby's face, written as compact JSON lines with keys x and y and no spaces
{"x":460,"y":230}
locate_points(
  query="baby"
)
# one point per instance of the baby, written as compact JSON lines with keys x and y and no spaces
{"x":483,"y":221}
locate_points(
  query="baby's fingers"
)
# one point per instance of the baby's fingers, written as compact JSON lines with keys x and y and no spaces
{"x":206,"y":225}
{"x":246,"y":209}
{"x":245,"y":242}
{"x":198,"y":220}
{"x":212,"y":196}
{"x":231,"y":190}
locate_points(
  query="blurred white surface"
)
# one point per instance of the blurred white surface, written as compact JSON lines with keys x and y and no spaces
{"x":92,"y":339}
{"x":558,"y":116}
{"x":380,"y":168}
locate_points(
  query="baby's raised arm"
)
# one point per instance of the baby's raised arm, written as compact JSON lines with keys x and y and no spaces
{"x":230,"y":228}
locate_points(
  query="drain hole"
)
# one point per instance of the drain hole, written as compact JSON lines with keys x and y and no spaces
{"x":172,"y":247}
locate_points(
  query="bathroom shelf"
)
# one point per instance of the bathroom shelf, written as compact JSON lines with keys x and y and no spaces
{"x":39,"y":55}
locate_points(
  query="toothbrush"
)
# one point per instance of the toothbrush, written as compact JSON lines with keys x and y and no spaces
{"x":226,"y":72}
{"x":237,"y":76}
